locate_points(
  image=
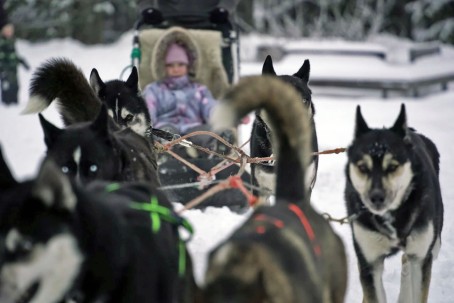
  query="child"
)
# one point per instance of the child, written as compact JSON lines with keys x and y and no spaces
{"x":8,"y":60}
{"x":179,"y":105}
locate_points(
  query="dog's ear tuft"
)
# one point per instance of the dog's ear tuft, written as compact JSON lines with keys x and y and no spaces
{"x":268,"y":68}
{"x":6,"y":177}
{"x":95,"y":81}
{"x":361,"y":126}
{"x":101,"y":124}
{"x":51,"y":132}
{"x":133,"y":80}
{"x":53,"y":188}
{"x":400,"y":126}
{"x":303,"y":72}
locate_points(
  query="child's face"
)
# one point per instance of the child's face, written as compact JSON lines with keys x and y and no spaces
{"x":176,"y":69}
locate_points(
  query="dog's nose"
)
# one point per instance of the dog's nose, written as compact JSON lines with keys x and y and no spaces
{"x":377,"y":197}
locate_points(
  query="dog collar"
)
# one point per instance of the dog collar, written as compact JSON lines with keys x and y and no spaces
{"x":384,"y":225}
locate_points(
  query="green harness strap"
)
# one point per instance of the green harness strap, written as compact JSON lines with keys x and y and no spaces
{"x":156,"y":213}
{"x":112,"y":187}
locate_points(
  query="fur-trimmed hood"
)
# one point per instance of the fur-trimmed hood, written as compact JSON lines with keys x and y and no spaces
{"x":182,"y":37}
{"x":204,"y":46}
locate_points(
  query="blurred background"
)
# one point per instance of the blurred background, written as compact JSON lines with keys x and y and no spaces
{"x":98,"y":21}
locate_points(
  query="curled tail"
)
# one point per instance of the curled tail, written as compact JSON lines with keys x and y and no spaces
{"x":289,"y":121}
{"x":60,"y":80}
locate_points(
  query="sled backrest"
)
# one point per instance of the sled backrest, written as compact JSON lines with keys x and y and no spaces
{"x":212,"y":72}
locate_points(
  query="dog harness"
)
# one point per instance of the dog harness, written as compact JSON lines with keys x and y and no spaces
{"x":280,"y":224}
{"x":158,"y":212}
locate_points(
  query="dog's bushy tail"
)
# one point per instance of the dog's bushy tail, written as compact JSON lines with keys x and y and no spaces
{"x":290,"y":125}
{"x":61,"y":81}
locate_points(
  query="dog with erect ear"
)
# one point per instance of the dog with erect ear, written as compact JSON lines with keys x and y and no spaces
{"x":105,"y":242}
{"x":124,"y":101}
{"x":264,"y":174}
{"x":100,"y":141}
{"x":393,"y":191}
{"x":98,"y":150}
{"x":286,"y":252}
{"x":60,"y":80}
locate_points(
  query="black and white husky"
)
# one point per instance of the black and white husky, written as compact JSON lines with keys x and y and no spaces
{"x":105,"y":243}
{"x":286,"y":252}
{"x":59,"y":80}
{"x":393,"y":191}
{"x":94,"y":145}
{"x":99,"y":150}
{"x":263,"y":174}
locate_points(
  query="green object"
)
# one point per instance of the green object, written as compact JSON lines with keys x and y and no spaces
{"x":155,"y":210}
{"x":112,"y":187}
{"x":136,"y":54}
{"x":156,"y":213}
{"x":182,"y":258}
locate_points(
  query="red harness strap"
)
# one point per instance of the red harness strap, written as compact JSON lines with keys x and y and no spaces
{"x":264,"y":218}
{"x":279,"y":224}
{"x":236,"y":182}
{"x":307,"y":227}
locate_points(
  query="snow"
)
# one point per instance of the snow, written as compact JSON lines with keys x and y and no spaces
{"x":22,"y":141}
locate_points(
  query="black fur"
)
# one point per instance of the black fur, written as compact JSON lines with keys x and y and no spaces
{"x":286,"y":252}
{"x":95,"y":145}
{"x":105,"y":152}
{"x":118,"y":95}
{"x":123,"y":259}
{"x":261,"y":139}
{"x":59,"y":80}
{"x":420,"y":208}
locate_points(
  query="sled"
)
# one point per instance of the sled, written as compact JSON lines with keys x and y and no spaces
{"x":219,"y":41}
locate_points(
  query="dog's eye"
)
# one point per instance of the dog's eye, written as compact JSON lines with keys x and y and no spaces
{"x":65,"y":169}
{"x":363,"y":168}
{"x":129,"y":118}
{"x":25,"y":246}
{"x":391,"y":168}
{"x":93,"y":168}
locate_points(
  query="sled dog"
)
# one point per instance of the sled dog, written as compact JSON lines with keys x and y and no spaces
{"x":263,"y":174}
{"x":64,"y":243}
{"x":393,"y":191}
{"x":286,"y":252}
{"x":98,"y":150}
{"x":59,"y":80}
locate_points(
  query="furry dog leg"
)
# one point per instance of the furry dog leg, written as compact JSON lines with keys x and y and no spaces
{"x":415,"y":273}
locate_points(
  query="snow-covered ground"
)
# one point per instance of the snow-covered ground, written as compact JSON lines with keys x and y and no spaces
{"x":22,"y":141}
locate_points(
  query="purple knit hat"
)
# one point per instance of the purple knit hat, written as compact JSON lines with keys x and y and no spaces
{"x":176,"y":54}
